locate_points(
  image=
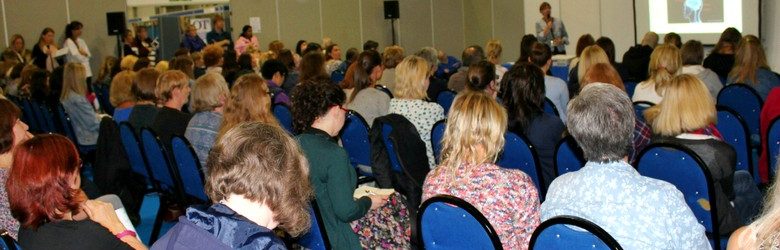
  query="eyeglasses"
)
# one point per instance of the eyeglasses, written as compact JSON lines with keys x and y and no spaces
{"x":342,"y":108}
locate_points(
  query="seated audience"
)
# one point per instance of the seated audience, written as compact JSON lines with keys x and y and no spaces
{"x":145,"y":109}
{"x":249,"y":101}
{"x":555,"y":89}
{"x":472,"y":141}
{"x":583,"y":42}
{"x":85,"y":121}
{"x":721,"y":58}
{"x":274,"y":72}
{"x":128,"y":62}
{"x":471,"y":55}
{"x":391,"y":57}
{"x":172,"y":91}
{"x":763,"y":231}
{"x":161,"y":66}
{"x":482,"y":78}
{"x":436,"y":85}
{"x":673,"y":39}
{"x":665,"y":63}
{"x":252,"y":194}
{"x":686,"y":117}
{"x":59,"y":215}
{"x":590,"y":55}
{"x":186,"y":65}
{"x":522,"y":93}
{"x":318,"y":115}
{"x":637,"y":58}
{"x":525,"y":47}
{"x":293,"y":73}
{"x":313,"y":68}
{"x":12,"y":133}
{"x":751,"y":68}
{"x":365,"y":99}
{"x":692,"y":54}
{"x":230,"y":67}
{"x":108,"y":69}
{"x":209,"y":96}
{"x":121,"y":95}
{"x":39,"y":87}
{"x":639,"y":212}
{"x":199,"y":67}
{"x":447,"y":66}
{"x":332,"y":57}
{"x":411,"y":84}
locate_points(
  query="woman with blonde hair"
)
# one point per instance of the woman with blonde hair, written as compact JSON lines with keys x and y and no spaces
{"x":172,"y":91}
{"x":128,"y":62}
{"x":17,"y":47}
{"x":591,"y":55}
{"x":250,"y":100}
{"x":73,"y":97}
{"x":412,"y":81}
{"x":121,"y":95}
{"x":209,"y":95}
{"x":494,"y":50}
{"x":161,"y":66}
{"x":751,"y":68}
{"x":686,"y":117}
{"x":665,"y":64}
{"x":764,"y":232}
{"x":473,"y":140}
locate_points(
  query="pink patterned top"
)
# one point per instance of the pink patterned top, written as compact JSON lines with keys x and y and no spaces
{"x":506,"y":197}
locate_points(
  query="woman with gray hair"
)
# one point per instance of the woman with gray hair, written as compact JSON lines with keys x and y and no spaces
{"x":639,"y":212}
{"x":209,"y":96}
{"x":436,"y":85}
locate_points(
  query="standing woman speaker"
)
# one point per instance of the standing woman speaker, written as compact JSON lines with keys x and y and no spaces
{"x":78,"y":52}
{"x":551,"y":31}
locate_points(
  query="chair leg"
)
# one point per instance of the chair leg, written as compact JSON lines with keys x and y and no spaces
{"x":158,"y":219}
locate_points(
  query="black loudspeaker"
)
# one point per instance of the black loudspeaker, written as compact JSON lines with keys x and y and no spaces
{"x":116,"y":23}
{"x":391,"y":10}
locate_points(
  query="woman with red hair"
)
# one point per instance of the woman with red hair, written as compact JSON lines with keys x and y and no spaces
{"x":54,"y":213}
{"x":12,"y":133}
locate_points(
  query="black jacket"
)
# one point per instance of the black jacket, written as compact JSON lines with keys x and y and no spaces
{"x":112,"y":172}
{"x":636,"y":61}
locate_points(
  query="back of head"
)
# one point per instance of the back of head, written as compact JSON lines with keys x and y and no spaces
{"x":285,"y":56}
{"x":169,"y":81}
{"x":161,"y":66}
{"x":591,"y":55}
{"x":298,"y":45}
{"x":212,"y":55}
{"x":472,"y":55}
{"x":522,"y":93}
{"x":525,"y":47}
{"x":183,"y":64}
{"x":128,"y":62}
{"x":494,"y":50}
{"x":145,"y":84}
{"x":43,"y":165}
{"x":121,"y":88}
{"x":411,"y":77}
{"x":392,"y":56}
{"x":208,"y":92}
{"x":601,"y":120}
{"x":370,"y":45}
{"x":313,"y":67}
{"x":692,"y":53}
{"x":480,"y":76}
{"x":352,"y":54}
{"x":583,"y":42}
{"x":475,"y":120}
{"x":275,"y":46}
{"x":312,"y":47}
{"x":8,"y":118}
{"x":729,"y":37}
{"x":672,"y":38}
{"x":602,"y":73}
{"x":272,"y":67}
{"x":686,"y":107}
{"x":540,"y":54}
{"x":749,"y":58}
{"x":239,"y":164}
{"x":608,"y":46}
{"x":74,"y":80}
{"x":142,"y":63}
{"x":249,"y":101}
{"x":365,"y":64}
{"x":311,"y":100}
{"x":650,"y":39}
{"x":665,"y":63}
{"x":430,"y":54}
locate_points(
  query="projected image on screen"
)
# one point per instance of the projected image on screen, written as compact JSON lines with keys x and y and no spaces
{"x":695,"y":11}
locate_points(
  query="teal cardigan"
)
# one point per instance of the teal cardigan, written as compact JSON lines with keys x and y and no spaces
{"x":334,"y":181}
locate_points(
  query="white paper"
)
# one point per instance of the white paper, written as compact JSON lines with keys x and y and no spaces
{"x":255,"y":23}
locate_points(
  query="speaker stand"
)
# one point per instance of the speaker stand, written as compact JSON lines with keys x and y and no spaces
{"x":119,"y":50}
{"x":392,"y":28}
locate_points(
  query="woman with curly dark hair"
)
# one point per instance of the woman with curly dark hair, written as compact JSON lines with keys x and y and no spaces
{"x":318,"y":116}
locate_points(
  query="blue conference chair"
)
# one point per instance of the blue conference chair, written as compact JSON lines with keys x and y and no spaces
{"x":8,"y":242}
{"x":133,"y":150}
{"x":445,"y":99}
{"x":639,"y":109}
{"x":685,"y":170}
{"x":187,"y":163}
{"x":395,"y":161}
{"x":745,"y":101}
{"x":158,"y":162}
{"x":549,"y":107}
{"x":437,"y":135}
{"x":519,"y":154}
{"x":561,"y":72}
{"x":354,"y":138}
{"x":102,"y":95}
{"x":448,"y":222}
{"x":773,"y":145}
{"x":559,"y":233}
{"x":28,"y":114}
{"x":630,"y":88}
{"x":387,"y":91}
{"x":568,"y":156}
{"x":317,"y":237}
{"x":734,"y":131}
{"x":283,"y":115}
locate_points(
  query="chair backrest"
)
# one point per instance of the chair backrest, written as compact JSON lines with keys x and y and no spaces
{"x":387,"y":91}
{"x":773,"y":144}
{"x":448,"y":222}
{"x":639,"y":109}
{"x":559,"y":233}
{"x":283,"y":115}
{"x":568,"y":156}
{"x":64,"y":120}
{"x":395,"y":161}
{"x":102,"y":95}
{"x":746,"y":101}
{"x":189,"y":168}
{"x":437,"y":134}
{"x":445,"y":99}
{"x":354,"y":138}
{"x":8,"y":242}
{"x":549,"y":107}
{"x":561,"y":71}
{"x":685,"y":170}
{"x":44,"y":117}
{"x":735,"y":132}
{"x":317,"y":237}
{"x":519,"y":154}
{"x":28,"y":114}
{"x":630,"y":87}
{"x":133,"y":149}
{"x":157,"y":158}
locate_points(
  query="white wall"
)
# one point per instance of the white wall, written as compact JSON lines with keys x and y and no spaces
{"x":770,"y":32}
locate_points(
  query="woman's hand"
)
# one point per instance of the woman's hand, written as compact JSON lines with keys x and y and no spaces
{"x":378,"y":201}
{"x":104,"y":214}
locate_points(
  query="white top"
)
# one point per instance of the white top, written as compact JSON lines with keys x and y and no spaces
{"x":74,"y":55}
{"x":707,"y":76}
{"x":645,"y":91}
{"x":557,"y":91}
